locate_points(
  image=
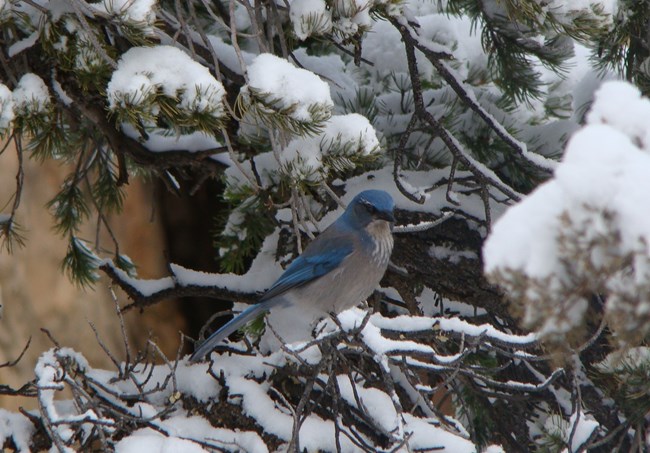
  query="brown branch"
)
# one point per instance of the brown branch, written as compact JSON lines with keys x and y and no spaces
{"x":175,"y":290}
{"x":482,"y":174}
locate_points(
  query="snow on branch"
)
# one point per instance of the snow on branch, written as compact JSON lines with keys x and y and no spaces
{"x":467,"y":95}
{"x":279,"y":95}
{"x":183,"y":283}
{"x":422,"y":226}
{"x":357,"y":390}
{"x":484,"y":175}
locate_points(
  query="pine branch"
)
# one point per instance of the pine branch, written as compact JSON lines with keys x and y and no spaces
{"x":468,"y":97}
{"x":482,"y":173}
{"x":168,"y":288}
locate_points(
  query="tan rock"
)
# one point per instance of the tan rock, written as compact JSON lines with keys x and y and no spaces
{"x":36,"y":294}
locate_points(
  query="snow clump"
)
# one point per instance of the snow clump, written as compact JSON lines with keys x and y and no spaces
{"x":587,"y":230}
{"x":310,"y":18}
{"x":145,"y":72}
{"x":137,"y":11}
{"x":31,"y":96}
{"x":6,"y":108}
{"x":345,"y":136}
{"x":277,"y":89}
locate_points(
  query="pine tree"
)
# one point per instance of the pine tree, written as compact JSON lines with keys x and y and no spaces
{"x":286,"y":110}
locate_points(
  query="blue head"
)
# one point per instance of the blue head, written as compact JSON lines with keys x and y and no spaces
{"x":369,"y":206}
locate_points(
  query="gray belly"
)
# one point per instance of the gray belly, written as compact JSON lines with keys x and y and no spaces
{"x":343,"y":288}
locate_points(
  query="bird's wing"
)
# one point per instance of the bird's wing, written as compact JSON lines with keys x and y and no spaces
{"x":322,"y":255}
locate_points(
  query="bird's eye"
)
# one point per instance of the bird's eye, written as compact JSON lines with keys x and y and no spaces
{"x":371,"y":209}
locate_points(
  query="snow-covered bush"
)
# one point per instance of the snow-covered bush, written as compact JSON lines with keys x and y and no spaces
{"x":585,"y":231}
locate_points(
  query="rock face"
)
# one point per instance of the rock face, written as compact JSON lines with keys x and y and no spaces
{"x":35,"y":294}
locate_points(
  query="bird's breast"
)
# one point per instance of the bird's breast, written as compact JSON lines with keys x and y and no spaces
{"x":382,"y":239}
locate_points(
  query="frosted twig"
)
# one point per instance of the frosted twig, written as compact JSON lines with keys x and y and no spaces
{"x":125,"y":336}
{"x":447,"y":73}
{"x":450,"y":183}
{"x":422,"y":226}
{"x":522,"y":386}
{"x":310,"y":215}
{"x":233,"y":37}
{"x":302,"y":219}
{"x":207,"y":43}
{"x":235,"y":160}
{"x":397,"y":163}
{"x":220,"y":21}
{"x":185,"y":29}
{"x":277,"y":25}
{"x":172,"y":367}
{"x":577,"y":409}
{"x":298,"y":413}
{"x":332,"y":194}
{"x":104,"y":347}
{"x":258,"y":32}
{"x":397,"y":405}
{"x":169,"y":288}
{"x":211,"y":319}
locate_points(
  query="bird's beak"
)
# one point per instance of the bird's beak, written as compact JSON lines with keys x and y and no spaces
{"x":386,"y":215}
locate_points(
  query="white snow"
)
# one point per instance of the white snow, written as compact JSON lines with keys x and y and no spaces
{"x":315,"y":433}
{"x":582,"y":426}
{"x":186,"y":434}
{"x":406,"y":323}
{"x":443,"y":253}
{"x":138,"y":11}
{"x":31,"y":95}
{"x":353,"y":132}
{"x":375,"y":402}
{"x":310,"y":17}
{"x":16,"y":427}
{"x":425,"y":435}
{"x":621,"y":106}
{"x":60,"y":93}
{"x":6,"y":108}
{"x":23,"y":44}
{"x":617,"y":363}
{"x":598,"y":191}
{"x":152,"y":441}
{"x":342,"y":135}
{"x":228,"y":55}
{"x":601,"y":171}
{"x":566,"y":12}
{"x":352,"y":16}
{"x":144,"y":71}
{"x":162,"y":140}
{"x":289,"y":87}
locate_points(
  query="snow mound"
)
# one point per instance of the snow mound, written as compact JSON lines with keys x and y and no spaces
{"x":310,"y":18}
{"x":31,"y":95}
{"x":6,"y":108}
{"x":143,"y":72}
{"x":346,"y":136}
{"x":282,"y":88}
{"x":586,"y":230}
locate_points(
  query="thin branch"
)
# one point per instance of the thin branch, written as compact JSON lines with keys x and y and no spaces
{"x":483,"y":174}
{"x":170,"y":289}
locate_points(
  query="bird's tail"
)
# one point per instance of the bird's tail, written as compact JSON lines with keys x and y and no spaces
{"x":234,"y":324}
